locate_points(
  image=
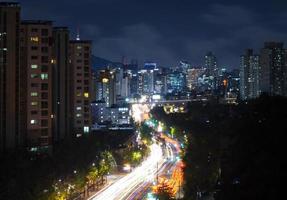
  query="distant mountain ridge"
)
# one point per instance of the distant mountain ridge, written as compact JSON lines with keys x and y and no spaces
{"x":101,"y":63}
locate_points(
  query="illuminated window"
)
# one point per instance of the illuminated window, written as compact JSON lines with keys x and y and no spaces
{"x":33,"y":121}
{"x":86,"y":94}
{"x":34,"y":66}
{"x":86,"y":129}
{"x":34,"y":103}
{"x":44,"y":76}
{"x":53,"y":61}
{"x":34,"y":94}
{"x":105,"y":80}
{"x":78,"y":115}
{"x":34,"y":39}
{"x":79,"y":108}
{"x":34,"y":76}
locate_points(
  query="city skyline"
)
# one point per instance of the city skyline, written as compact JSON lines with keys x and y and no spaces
{"x":109,"y":100}
{"x":166,"y":32}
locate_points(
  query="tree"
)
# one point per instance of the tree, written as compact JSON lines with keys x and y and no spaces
{"x":146,"y":132}
{"x":79,"y":181}
{"x":164,"y":192}
{"x":93,"y":175}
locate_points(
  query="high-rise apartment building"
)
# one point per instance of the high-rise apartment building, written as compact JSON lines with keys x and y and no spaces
{"x":36,"y":60}
{"x":10,"y":134}
{"x":106,"y":86}
{"x":249,"y":75}
{"x":126,"y":84}
{"x":210,"y":62}
{"x":159,"y":82}
{"x":62,"y":115}
{"x":146,"y":82}
{"x":273,"y":73}
{"x":80,"y":66}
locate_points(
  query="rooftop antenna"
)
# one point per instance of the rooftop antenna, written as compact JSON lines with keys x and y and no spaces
{"x":78,"y":34}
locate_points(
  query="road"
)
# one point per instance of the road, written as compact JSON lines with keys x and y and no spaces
{"x":170,"y":160}
{"x":135,"y":185}
{"x":145,"y":172}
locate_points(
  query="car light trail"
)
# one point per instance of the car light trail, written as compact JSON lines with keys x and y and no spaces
{"x":124,"y":186}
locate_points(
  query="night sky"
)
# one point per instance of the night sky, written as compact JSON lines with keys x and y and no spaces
{"x":166,"y":31}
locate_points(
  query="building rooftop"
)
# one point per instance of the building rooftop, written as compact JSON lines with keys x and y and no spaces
{"x":61,"y":28}
{"x":80,"y":41}
{"x":10,"y":4}
{"x":37,"y":22}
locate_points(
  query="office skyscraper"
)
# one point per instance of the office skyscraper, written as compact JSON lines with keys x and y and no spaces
{"x":10,"y":135}
{"x":249,"y":75}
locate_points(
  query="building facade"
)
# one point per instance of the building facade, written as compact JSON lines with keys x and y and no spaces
{"x":249,"y":75}
{"x":36,"y":59}
{"x":61,"y":84}
{"x":192,"y":77}
{"x":176,"y":82}
{"x":273,"y":73}
{"x":80,"y":95}
{"x":106,"y":87}
{"x":210,"y":63}
{"x":146,"y":82}
{"x":10,"y":103}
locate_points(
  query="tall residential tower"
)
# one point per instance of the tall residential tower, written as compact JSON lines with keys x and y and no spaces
{"x":62,"y":79}
{"x":10,"y":135}
{"x":273,"y":62}
{"x":80,"y":95}
{"x":249,"y":75}
{"x":36,"y":60}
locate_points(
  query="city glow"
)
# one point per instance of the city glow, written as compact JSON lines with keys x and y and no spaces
{"x":140,"y":112}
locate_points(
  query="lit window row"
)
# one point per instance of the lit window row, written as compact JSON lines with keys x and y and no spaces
{"x":34,"y":103}
{"x":34,"y":94}
{"x":44,"y":76}
{"x":34,"y":66}
{"x":34,"y":39}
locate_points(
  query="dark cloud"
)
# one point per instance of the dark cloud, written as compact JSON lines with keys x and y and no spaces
{"x":230,"y":16}
{"x":168,"y":30}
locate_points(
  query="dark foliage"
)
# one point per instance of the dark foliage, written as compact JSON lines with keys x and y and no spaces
{"x":25,"y":177}
{"x":234,"y":152}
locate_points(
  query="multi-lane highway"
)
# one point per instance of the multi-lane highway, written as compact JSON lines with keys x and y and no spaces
{"x":136,"y":184}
